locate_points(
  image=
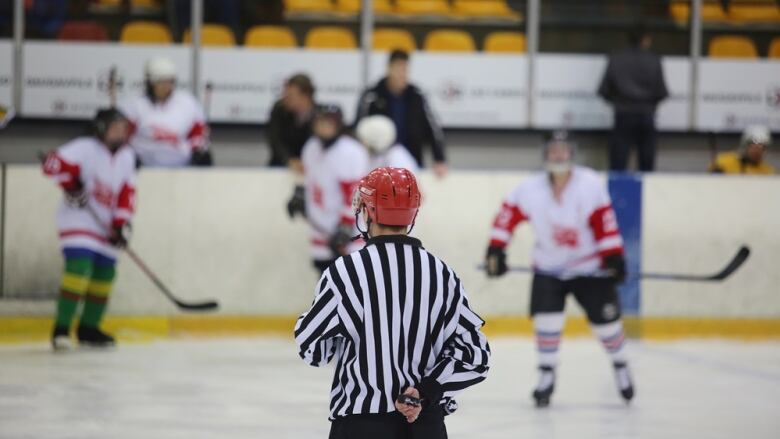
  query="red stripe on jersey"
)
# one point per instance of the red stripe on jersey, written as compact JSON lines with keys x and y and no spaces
{"x":67,"y":173}
{"x":79,"y":232}
{"x":125,"y":201}
{"x":507,"y":219}
{"x":603,"y":223}
{"x":198,"y":135}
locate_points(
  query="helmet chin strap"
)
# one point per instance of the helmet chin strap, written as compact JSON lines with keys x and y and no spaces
{"x":363,"y":233}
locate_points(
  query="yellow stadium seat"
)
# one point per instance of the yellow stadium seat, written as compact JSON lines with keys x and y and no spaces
{"x":394,"y":38}
{"x":764,"y":12}
{"x":330,"y":37}
{"x":308,"y":5}
{"x":774,"y":48}
{"x":449,"y":41}
{"x":270,"y":36}
{"x":484,"y":8}
{"x":505,"y":42}
{"x":732,"y":46}
{"x":145,"y":32}
{"x":354,"y":6}
{"x":423,"y":7}
{"x":135,"y":4}
{"x":680,"y":11}
{"x":213,"y":35}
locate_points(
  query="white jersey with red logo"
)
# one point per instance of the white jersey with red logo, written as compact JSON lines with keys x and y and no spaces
{"x":109,"y":181}
{"x":166,"y":133}
{"x":397,"y":156}
{"x":331,"y":176}
{"x":573,"y":234}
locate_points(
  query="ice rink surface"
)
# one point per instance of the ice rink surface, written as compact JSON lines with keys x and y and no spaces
{"x":258,"y":388}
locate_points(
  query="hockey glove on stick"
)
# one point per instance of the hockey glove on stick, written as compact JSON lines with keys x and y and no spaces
{"x":338,"y":241}
{"x":120,"y":235}
{"x":495,"y":262}
{"x":616,"y":266}
{"x":297,"y":203}
{"x":77,"y":197}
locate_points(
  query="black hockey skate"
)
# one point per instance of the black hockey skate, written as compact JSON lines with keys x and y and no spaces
{"x":94,"y":337}
{"x":60,"y":339}
{"x":545,"y":388}
{"x":624,"y":382}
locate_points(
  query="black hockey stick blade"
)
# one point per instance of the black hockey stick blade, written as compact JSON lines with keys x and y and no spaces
{"x":210,"y":305}
{"x":736,"y":262}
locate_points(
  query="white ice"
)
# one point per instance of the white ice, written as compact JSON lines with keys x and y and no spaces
{"x":258,"y":388}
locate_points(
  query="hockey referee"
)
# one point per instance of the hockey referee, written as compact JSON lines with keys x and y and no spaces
{"x":397,"y":321}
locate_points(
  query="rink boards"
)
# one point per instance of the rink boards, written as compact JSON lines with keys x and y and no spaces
{"x":224,"y":234}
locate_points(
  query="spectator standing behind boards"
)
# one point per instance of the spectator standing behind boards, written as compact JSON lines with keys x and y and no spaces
{"x":749,"y":158}
{"x":168,"y":125}
{"x":634,"y":84}
{"x":289,"y":126}
{"x":396,"y":98}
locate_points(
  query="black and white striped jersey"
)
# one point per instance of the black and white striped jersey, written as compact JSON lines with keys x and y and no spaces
{"x":392,"y":315}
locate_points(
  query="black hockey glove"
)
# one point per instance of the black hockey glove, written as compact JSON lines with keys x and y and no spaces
{"x":77,"y":197}
{"x":201,"y":157}
{"x":338,"y":241}
{"x":120,"y":235}
{"x":495,"y":262}
{"x":297,"y":203}
{"x":616,"y":267}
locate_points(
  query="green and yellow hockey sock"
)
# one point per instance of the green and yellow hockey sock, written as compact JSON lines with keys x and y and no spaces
{"x":97,"y":295}
{"x":73,"y":287}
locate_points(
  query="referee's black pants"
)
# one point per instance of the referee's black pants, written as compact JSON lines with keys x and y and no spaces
{"x":429,"y":425}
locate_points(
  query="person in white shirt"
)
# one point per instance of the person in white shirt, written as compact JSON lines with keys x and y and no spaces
{"x":333,"y":164}
{"x":578,"y":250}
{"x":168,"y":125}
{"x":97,"y":175}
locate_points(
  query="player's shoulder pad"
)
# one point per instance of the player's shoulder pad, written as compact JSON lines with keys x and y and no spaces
{"x":77,"y":147}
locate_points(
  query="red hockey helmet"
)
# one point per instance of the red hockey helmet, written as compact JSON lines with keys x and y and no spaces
{"x":390,"y":195}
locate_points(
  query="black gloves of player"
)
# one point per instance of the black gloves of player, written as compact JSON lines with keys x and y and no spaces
{"x":616,"y":267}
{"x":338,"y":241}
{"x":201,"y":157}
{"x":120,"y":235}
{"x":77,"y":197}
{"x":297,"y":203}
{"x":495,"y":262}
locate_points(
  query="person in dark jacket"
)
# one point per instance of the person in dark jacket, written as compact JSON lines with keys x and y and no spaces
{"x":404,"y":103}
{"x":289,"y":126}
{"x":634,"y":84}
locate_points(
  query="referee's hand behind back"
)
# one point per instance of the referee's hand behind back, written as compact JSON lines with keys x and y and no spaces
{"x":410,"y":412}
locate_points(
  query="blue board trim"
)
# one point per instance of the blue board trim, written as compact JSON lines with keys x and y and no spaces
{"x":626,"y":192}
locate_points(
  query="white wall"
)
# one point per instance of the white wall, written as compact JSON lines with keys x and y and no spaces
{"x":224,"y":234}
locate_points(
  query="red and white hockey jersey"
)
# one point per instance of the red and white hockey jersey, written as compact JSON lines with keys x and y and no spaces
{"x":109,"y":181}
{"x":573,"y":234}
{"x":331,"y":176}
{"x":166,"y":133}
{"x":397,"y":156}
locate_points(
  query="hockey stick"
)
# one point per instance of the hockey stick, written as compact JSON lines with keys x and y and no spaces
{"x":189,"y":306}
{"x":742,"y":255}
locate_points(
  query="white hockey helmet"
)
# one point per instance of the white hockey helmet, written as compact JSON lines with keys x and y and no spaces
{"x":758,"y":134}
{"x":377,"y":133}
{"x":159,"y":68}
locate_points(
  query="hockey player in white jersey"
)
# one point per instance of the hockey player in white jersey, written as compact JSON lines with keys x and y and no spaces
{"x":578,"y":250}
{"x":333,"y":164}
{"x":97,"y":175}
{"x":378,"y":134}
{"x":168,"y":125}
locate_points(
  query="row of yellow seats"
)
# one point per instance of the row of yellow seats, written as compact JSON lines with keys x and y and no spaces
{"x":738,"y":46}
{"x":465,"y":8}
{"x":325,"y":37}
{"x":747,"y":11}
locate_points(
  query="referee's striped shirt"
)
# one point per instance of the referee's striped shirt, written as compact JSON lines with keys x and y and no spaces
{"x":393,"y":316}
